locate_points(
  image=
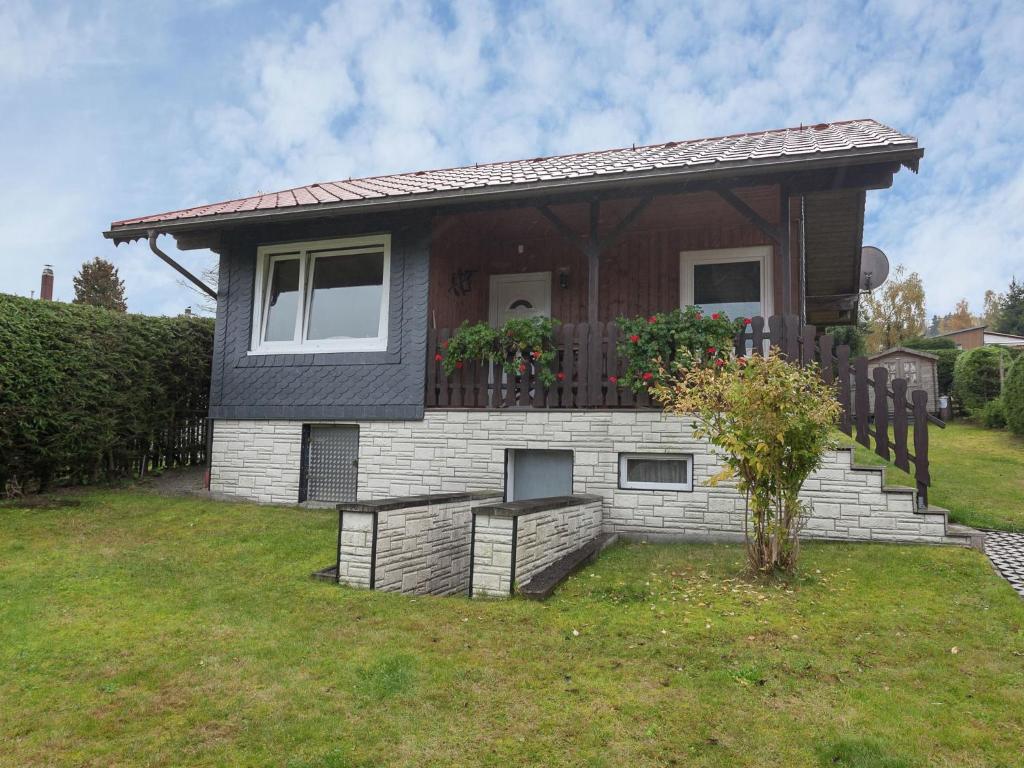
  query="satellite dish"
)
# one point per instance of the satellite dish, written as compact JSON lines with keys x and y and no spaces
{"x":874,"y":267}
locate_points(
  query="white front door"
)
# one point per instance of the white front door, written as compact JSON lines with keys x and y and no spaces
{"x":524,"y":295}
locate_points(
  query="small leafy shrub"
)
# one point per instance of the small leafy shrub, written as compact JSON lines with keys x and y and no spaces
{"x":656,"y":346}
{"x":1013,"y":397}
{"x":518,"y":343}
{"x":773,"y":423}
{"x":976,"y":377}
{"x":993,"y":414}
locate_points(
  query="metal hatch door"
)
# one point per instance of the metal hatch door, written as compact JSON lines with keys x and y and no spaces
{"x":332,"y":463}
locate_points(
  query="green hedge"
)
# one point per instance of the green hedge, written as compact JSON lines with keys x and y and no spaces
{"x":1013,"y":397}
{"x":87,"y":393}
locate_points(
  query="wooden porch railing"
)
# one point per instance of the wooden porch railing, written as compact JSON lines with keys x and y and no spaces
{"x":889,"y":425}
{"x":587,"y":356}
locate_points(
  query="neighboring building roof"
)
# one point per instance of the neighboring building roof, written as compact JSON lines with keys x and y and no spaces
{"x":962,"y":330}
{"x":747,"y":150}
{"x":903,"y":351}
{"x":988,"y":337}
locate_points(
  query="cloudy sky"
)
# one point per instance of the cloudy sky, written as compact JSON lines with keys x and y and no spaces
{"x":113,"y":109}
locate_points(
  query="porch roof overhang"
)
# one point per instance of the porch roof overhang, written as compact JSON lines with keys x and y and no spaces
{"x":806,"y":166}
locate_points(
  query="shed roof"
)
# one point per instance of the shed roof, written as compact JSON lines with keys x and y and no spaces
{"x":824,"y":141}
{"x":903,"y":351}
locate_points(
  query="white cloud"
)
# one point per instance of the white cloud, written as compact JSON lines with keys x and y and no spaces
{"x":365,"y":88}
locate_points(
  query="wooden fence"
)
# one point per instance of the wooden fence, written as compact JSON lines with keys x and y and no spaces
{"x":586,"y":356}
{"x":182,"y":443}
{"x":891,"y":425}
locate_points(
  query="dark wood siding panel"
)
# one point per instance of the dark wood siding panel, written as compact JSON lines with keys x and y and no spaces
{"x":639,"y":274}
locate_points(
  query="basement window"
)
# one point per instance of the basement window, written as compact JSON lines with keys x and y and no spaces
{"x":656,"y":471}
{"x":322,"y":296}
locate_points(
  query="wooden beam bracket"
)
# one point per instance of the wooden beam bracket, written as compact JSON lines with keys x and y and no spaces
{"x":771,"y":230}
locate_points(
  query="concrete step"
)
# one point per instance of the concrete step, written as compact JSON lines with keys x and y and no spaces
{"x":965,"y":536}
{"x":544,"y":582}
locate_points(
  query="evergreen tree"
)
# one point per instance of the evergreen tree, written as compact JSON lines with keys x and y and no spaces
{"x":98,"y":285}
{"x":1011,"y":310}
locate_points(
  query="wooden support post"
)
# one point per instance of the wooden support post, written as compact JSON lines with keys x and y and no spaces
{"x":785,"y":253}
{"x":593,"y":263}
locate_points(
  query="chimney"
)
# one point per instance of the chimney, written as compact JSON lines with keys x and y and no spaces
{"x":46,"y":286}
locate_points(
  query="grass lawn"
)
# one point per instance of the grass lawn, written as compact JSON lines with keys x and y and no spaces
{"x":144,"y":630}
{"x":977,"y":474}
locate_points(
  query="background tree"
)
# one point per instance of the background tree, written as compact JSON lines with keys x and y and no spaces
{"x":959,"y":318}
{"x":1011,"y":310}
{"x":895,"y":311}
{"x":98,"y":285}
{"x":204,"y":305}
{"x":993,"y":308}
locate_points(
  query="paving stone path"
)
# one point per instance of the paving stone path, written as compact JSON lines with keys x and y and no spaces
{"x":1006,"y":551}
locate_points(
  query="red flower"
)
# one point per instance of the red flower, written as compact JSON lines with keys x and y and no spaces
{"x":560,"y":376}
{"x":742,"y":361}
{"x":647,"y":376}
{"x":700,"y":316}
{"x":652,"y":319}
{"x":746,"y":321}
{"x":522,"y":367}
{"x":438,"y":357}
{"x":712,"y":350}
{"x":716,"y":316}
{"x":613,"y":379}
{"x":719,"y":362}
{"x":445,"y":343}
{"x":535,"y":354}
{"x":458,"y":363}
{"x":634,"y":338}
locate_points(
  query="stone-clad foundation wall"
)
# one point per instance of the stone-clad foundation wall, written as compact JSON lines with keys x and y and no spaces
{"x":540,"y":539}
{"x":463,"y":450}
{"x":419,"y":546}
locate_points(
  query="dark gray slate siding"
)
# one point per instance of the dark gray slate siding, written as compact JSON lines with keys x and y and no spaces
{"x":347,"y":386}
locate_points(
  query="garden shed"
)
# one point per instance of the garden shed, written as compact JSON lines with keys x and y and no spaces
{"x":917,"y":367}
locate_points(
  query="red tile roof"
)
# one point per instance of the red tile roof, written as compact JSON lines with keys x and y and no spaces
{"x":745,"y":148}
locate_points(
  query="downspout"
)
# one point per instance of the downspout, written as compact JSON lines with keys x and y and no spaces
{"x":153,"y":235}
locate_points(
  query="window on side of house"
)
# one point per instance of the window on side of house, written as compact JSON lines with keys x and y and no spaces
{"x":656,"y":471}
{"x":322,"y":296}
{"x":735,"y":281}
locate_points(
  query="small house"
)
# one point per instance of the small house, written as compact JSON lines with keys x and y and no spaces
{"x":335,"y":300}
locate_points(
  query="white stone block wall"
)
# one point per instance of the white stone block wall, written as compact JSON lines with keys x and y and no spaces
{"x":464,"y":450}
{"x":492,"y":555}
{"x":355,"y":549}
{"x":257,"y":460}
{"x":421,"y":549}
{"x":548,"y":536}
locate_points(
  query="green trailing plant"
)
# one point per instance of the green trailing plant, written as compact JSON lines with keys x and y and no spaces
{"x":516,"y":345}
{"x":1013,"y":397}
{"x":773,"y":422}
{"x":86,"y":392}
{"x":668,"y":341}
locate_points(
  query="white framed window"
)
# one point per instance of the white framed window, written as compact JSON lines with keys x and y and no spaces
{"x":322,"y":296}
{"x":735,"y":281}
{"x":656,"y":471}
